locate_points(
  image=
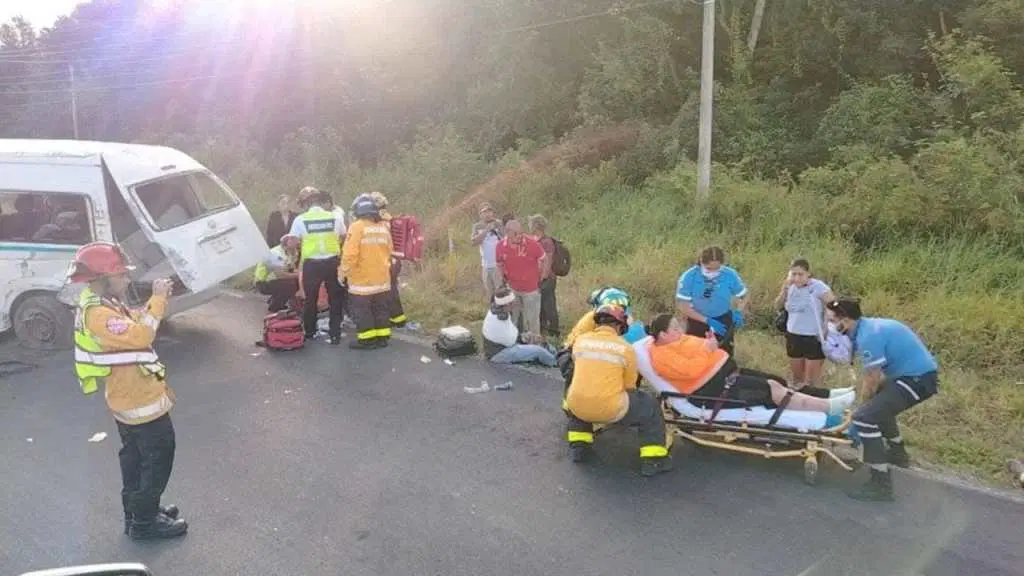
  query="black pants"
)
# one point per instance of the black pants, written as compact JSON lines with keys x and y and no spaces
{"x":876,"y":418}
{"x":549,"y":307}
{"x":314,"y":274}
{"x":371,"y":313}
{"x":147,"y":457}
{"x":397,"y":313}
{"x":726,"y":342}
{"x":644,"y":412}
{"x":280,"y":290}
{"x":749,"y":387}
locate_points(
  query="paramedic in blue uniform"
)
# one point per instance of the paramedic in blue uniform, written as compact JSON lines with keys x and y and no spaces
{"x":319,"y":231}
{"x":705,"y":296}
{"x":899,"y":373}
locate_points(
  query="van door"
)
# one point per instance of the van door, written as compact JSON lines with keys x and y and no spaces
{"x":200,"y":224}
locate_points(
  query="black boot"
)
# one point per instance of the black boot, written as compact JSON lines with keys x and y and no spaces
{"x":382,"y":342}
{"x":364,"y":344}
{"x":169,"y":511}
{"x":897,"y":455}
{"x":158,"y":528}
{"x":877,"y":489}
{"x":653,"y":466}
{"x":580,"y":451}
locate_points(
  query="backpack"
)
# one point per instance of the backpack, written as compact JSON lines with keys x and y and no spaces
{"x":283,"y":331}
{"x":561,"y":260}
{"x":407,"y":238}
{"x":455,"y":341}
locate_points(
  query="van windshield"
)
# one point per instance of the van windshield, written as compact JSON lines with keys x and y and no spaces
{"x":174,"y":201}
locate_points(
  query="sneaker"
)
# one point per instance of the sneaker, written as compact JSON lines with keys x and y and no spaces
{"x":833,"y":393}
{"x":653,"y":466}
{"x":897,"y":455}
{"x":169,"y":511}
{"x":839,"y":404}
{"x":382,"y":342}
{"x":878,"y":488}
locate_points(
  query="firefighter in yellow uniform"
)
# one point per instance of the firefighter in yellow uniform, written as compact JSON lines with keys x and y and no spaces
{"x":115,"y":345}
{"x":604,"y":391}
{"x":366,"y":264}
{"x":605,"y":295}
{"x":396,"y":312}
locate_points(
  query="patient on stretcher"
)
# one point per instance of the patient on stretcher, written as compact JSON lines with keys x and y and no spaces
{"x":697,"y":366}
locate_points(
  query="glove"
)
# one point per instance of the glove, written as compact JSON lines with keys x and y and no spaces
{"x":717,"y":327}
{"x":737,"y":319}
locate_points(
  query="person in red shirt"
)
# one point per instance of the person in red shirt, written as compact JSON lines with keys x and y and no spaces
{"x":521,"y":260}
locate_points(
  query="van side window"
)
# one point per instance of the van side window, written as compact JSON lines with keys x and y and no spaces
{"x":45,"y":218}
{"x":182,"y":198}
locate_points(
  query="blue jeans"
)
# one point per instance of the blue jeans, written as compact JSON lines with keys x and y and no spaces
{"x":523,"y":353}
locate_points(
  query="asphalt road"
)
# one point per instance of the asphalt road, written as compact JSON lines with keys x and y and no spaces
{"x":328,"y":461}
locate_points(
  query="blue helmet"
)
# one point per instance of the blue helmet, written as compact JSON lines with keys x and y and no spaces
{"x":609,"y":295}
{"x":365,"y":207}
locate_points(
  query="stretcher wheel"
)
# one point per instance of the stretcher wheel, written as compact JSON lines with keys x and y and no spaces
{"x":811,"y":470}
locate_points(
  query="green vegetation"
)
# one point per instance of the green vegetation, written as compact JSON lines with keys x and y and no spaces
{"x":884,"y":146}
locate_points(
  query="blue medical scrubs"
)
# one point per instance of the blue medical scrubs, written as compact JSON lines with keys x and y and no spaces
{"x":712,"y":298}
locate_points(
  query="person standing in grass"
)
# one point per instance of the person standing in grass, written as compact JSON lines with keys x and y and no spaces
{"x":804,"y":299}
{"x":549,"y":280}
{"x":705,"y":295}
{"x":899,"y":373}
{"x":522,"y":261}
{"x":486,"y":234}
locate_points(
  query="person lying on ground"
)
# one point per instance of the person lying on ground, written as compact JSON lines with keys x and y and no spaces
{"x":277,"y":275}
{"x":503,"y":343}
{"x":699,"y":367}
{"x":604,"y":391}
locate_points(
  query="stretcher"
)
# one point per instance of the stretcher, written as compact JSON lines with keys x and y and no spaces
{"x":755,"y":430}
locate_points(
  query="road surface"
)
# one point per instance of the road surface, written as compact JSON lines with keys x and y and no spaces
{"x":328,"y":461}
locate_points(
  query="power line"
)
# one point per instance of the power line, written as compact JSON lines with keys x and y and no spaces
{"x":608,"y":12}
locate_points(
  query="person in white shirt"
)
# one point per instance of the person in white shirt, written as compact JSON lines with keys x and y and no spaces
{"x":804,"y":299}
{"x":504,"y":344}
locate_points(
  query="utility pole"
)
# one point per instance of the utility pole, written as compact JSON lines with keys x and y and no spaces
{"x":74,"y":99}
{"x":707,"y":94}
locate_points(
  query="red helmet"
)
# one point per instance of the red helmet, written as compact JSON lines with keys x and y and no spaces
{"x":98,"y":259}
{"x":611,"y":314}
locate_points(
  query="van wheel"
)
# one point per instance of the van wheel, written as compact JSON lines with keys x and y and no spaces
{"x":42,"y":322}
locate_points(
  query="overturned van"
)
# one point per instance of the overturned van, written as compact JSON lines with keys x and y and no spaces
{"x":172,"y":217}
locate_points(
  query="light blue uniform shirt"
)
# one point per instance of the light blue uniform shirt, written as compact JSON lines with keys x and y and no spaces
{"x":712,"y":298}
{"x":890,"y":345}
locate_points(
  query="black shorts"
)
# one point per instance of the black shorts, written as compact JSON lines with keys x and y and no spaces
{"x":807,"y":347}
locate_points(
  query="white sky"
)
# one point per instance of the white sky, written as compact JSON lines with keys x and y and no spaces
{"x":41,"y":13}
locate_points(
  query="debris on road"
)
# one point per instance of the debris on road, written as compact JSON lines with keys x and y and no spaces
{"x":12,"y":367}
{"x":255,"y":354}
{"x":425,"y":360}
{"x":449,"y":362}
{"x":98,"y":437}
{"x":29,"y":440}
{"x":287,"y":391}
{"x":504,"y":386}
{"x":484,"y":387}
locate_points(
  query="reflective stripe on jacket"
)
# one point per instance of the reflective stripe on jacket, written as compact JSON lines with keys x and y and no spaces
{"x":366,"y":257}
{"x":115,"y":344}
{"x":319,"y":238}
{"x":604,"y":370}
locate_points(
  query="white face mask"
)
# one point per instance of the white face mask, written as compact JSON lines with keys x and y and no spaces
{"x":710,"y":274}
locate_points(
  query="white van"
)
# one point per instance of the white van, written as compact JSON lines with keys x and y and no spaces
{"x":171,"y":216}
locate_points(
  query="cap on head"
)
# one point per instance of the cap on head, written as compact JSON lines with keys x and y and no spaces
{"x":504,"y":298}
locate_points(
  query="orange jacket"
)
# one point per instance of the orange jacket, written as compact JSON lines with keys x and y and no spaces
{"x":687,"y":364}
{"x":605,"y":369}
{"x":129,"y":388}
{"x":366,"y":257}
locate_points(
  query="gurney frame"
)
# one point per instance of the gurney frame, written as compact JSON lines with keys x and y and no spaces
{"x":757,"y":440}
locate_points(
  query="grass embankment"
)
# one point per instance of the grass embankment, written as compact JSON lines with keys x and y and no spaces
{"x":966,"y":299}
{"x":902,"y":252}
